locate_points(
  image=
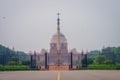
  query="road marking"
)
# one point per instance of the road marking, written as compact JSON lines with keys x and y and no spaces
{"x":58,"y":75}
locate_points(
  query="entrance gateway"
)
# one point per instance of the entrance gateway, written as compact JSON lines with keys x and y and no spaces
{"x":58,"y":58}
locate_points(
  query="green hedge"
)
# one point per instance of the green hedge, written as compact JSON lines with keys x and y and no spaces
{"x":101,"y":67}
{"x":13,"y":68}
{"x":118,"y":66}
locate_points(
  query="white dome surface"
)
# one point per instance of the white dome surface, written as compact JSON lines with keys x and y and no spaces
{"x":62,"y":38}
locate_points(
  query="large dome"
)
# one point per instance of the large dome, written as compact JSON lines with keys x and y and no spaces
{"x":62,"y":38}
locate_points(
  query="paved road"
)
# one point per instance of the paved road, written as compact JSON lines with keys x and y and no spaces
{"x":64,"y":75}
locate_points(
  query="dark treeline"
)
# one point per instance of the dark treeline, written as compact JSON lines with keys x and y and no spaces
{"x":11,"y":57}
{"x":108,"y":55}
{"x":112,"y":53}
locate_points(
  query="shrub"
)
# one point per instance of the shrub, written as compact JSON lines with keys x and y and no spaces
{"x":109,"y":62}
{"x":13,"y":68}
{"x":12,"y":63}
{"x":118,"y":66}
{"x":102,"y":67}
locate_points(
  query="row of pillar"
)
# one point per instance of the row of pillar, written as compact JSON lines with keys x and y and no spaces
{"x":33,"y":61}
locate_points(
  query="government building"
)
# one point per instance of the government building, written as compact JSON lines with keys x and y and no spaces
{"x":58,"y":57}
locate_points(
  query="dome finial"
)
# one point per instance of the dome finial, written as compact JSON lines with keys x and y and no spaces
{"x":58,"y":20}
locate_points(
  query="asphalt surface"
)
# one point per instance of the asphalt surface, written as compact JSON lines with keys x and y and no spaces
{"x":61,"y":75}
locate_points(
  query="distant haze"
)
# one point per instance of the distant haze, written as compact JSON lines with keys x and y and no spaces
{"x":28,"y":25}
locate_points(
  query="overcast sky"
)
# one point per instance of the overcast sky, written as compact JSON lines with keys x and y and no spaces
{"x":28,"y":25}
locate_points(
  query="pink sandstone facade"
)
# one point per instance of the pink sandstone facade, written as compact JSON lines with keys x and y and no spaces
{"x":57,"y":61}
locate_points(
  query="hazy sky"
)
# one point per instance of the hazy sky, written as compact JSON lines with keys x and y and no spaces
{"x":28,"y":25}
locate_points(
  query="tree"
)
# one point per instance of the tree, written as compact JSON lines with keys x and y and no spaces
{"x":12,"y":63}
{"x":109,"y":53}
{"x":27,"y":62}
{"x":93,"y":54}
{"x":108,"y":62}
{"x":7,"y":55}
{"x":116,"y":51}
{"x":99,"y":59}
{"x":89,"y":61}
